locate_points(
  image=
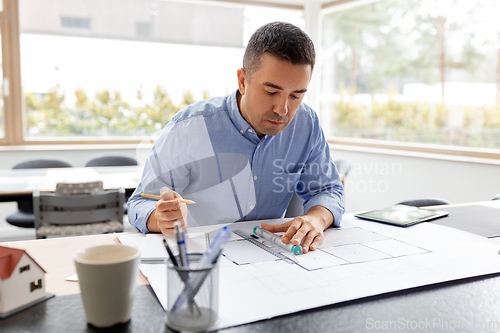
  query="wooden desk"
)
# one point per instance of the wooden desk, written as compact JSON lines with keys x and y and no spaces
{"x":18,"y":184}
{"x":55,"y":256}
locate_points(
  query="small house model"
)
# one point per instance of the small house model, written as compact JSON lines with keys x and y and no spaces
{"x":22,"y":280}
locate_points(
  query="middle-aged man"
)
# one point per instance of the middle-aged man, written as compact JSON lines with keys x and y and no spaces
{"x":241,"y":157}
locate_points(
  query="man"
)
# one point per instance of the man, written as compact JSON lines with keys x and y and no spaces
{"x":242,"y":156}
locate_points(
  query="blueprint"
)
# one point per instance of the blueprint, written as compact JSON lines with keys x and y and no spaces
{"x":342,"y":246}
{"x":359,"y":259}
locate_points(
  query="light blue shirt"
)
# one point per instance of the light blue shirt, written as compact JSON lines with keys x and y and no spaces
{"x":208,"y":153}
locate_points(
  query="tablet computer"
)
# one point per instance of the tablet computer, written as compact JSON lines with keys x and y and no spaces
{"x":402,"y":215}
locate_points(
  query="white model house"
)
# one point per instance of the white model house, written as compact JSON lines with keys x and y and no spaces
{"x":22,"y":280}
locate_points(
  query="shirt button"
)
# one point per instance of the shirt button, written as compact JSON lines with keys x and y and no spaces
{"x":250,"y":130}
{"x":241,"y":131}
{"x":251,"y":206}
{"x":258,"y":146}
{"x":255,"y":177}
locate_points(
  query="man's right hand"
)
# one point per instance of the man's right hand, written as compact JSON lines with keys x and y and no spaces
{"x":167,"y":212}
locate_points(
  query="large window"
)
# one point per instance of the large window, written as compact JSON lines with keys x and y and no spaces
{"x":3,"y":82}
{"x":108,"y":68}
{"x":406,"y":74}
{"x":2,"y":111}
{"x":418,"y":71}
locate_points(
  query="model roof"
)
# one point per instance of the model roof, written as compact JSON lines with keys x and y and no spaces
{"x":9,"y":258}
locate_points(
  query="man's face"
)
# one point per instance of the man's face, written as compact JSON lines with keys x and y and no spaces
{"x":273,"y":93}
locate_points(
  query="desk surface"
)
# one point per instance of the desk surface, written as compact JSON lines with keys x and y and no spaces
{"x":55,"y":256}
{"x":470,"y":304}
{"x":20,"y":183}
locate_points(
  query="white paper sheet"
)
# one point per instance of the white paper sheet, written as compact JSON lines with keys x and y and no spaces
{"x":361,"y":259}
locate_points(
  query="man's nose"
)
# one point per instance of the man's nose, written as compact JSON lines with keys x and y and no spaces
{"x":281,"y":107}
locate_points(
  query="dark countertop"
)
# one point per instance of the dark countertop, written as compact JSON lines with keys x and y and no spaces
{"x":470,"y":305}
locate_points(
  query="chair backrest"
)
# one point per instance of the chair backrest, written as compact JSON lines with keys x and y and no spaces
{"x":296,"y":205}
{"x":343,"y":166}
{"x":79,"y":188}
{"x":111,"y":160}
{"x":53,"y":208}
{"x":26,"y":206}
{"x":425,"y":202}
{"x":43,"y":162}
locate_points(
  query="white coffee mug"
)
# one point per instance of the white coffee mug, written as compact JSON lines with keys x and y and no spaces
{"x":107,"y":275}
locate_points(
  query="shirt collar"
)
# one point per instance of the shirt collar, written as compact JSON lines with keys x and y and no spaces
{"x":234,"y":113}
{"x":239,"y":122}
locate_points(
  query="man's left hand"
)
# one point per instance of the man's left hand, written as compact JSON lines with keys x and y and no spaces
{"x":306,"y":229}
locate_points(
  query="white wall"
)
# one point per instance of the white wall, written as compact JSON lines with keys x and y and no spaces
{"x":382,"y":178}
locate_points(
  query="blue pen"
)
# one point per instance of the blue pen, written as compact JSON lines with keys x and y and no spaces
{"x":209,"y":258}
{"x":179,"y":235}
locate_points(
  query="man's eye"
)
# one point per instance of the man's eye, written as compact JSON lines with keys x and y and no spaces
{"x":271,"y":92}
{"x":294,"y":96}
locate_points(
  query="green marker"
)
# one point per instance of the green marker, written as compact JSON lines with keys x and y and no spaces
{"x":269,"y":236}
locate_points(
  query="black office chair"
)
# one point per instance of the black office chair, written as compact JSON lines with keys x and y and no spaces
{"x":296,"y":205}
{"x":111,"y":160}
{"x":425,"y":202}
{"x":343,"y":166}
{"x":24,"y":217}
{"x":497,"y":197}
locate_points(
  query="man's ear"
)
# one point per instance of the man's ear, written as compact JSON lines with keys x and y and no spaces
{"x":242,"y":80}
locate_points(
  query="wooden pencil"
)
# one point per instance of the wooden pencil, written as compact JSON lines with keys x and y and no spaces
{"x":157,"y":197}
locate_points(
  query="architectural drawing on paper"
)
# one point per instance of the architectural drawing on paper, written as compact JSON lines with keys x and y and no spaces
{"x":342,"y":246}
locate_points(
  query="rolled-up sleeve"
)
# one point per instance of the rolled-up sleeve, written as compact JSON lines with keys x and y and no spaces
{"x":139,"y":210}
{"x":154,"y":177}
{"x":168,"y":165}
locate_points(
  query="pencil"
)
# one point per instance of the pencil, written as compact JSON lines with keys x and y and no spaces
{"x":152,"y":196}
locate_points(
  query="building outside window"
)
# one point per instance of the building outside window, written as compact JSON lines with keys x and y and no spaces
{"x":143,"y":29}
{"x":75,"y":23}
{"x":123,"y":69}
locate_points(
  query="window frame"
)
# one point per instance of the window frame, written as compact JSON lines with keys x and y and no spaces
{"x":443,"y":150}
{"x":9,"y":23}
{"x":13,"y":103}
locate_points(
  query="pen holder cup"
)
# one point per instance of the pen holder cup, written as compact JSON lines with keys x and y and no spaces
{"x":192,"y":295}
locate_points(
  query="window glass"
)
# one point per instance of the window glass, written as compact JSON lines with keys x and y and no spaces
{"x":75,"y":23}
{"x":113,"y":68}
{"x":420,"y":71}
{"x":2,"y":82}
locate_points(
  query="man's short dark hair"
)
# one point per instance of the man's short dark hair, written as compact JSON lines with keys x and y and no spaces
{"x":282,"y":40}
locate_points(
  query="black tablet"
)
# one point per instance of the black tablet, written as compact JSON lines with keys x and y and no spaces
{"x":402,"y":215}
